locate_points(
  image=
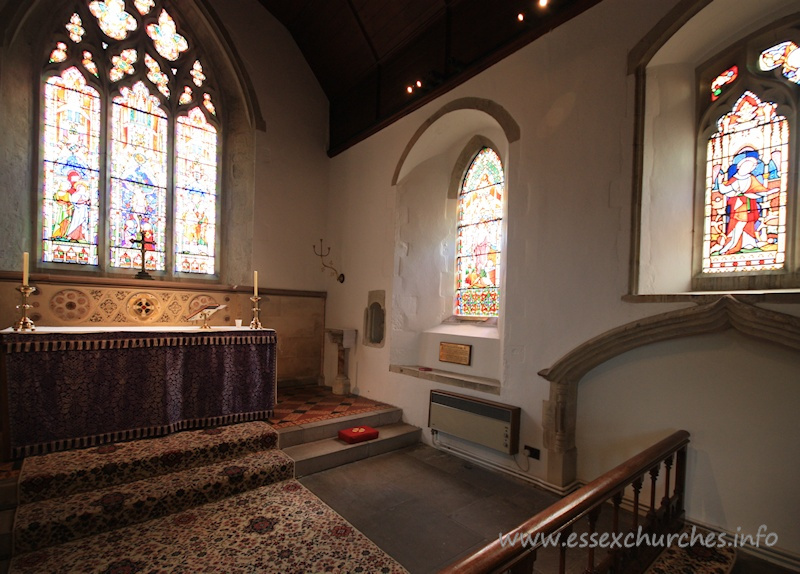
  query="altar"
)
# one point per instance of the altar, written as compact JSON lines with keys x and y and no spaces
{"x":65,"y":388}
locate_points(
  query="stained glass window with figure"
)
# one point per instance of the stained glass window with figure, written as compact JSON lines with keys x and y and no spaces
{"x":129,"y":149}
{"x":749,"y":197}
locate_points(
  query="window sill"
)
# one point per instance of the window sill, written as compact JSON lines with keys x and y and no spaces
{"x":482,"y":384}
{"x":466,"y":329}
{"x":782,"y":296}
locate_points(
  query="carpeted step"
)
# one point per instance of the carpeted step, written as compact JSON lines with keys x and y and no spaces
{"x":278,"y":528}
{"x":69,"y":472}
{"x":57,"y":520}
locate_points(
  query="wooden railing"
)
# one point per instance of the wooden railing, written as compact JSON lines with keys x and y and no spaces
{"x":563,"y":519}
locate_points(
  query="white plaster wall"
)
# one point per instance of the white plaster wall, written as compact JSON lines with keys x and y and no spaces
{"x":569,"y":197}
{"x":737,"y":396}
{"x":291,"y":167}
{"x":568,"y":200}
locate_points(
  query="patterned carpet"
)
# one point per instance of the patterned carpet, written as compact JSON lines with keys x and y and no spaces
{"x":213,"y":500}
{"x":282,"y":528}
{"x":308,"y":404}
{"x":695,"y":558}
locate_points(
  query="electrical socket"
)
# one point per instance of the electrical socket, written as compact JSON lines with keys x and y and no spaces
{"x":531,"y":452}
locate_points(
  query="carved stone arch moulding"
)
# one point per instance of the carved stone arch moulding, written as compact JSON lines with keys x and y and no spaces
{"x":559,"y":413}
{"x":506,"y":122}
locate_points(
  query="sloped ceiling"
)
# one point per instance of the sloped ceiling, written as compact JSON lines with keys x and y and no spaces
{"x":366,"y":53}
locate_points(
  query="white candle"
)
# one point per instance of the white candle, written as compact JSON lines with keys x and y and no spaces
{"x":255,"y":283}
{"x":25,"y":268}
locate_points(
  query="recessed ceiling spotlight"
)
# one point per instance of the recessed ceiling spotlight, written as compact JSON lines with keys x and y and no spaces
{"x":409,"y":89}
{"x":542,"y":3}
{"x":520,"y":16}
{"x":419,"y":84}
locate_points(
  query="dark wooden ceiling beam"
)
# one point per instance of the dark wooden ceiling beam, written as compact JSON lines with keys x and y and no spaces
{"x":365,"y":53}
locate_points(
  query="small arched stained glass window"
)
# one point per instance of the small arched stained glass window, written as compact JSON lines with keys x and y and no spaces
{"x":159,"y":183}
{"x":479,"y":237}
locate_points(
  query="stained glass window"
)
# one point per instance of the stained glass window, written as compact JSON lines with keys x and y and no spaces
{"x":479,"y":237}
{"x":195,"y":193}
{"x":746,"y":189}
{"x":60,"y":53}
{"x":159,"y":180}
{"x":123,"y":64}
{"x":198,"y":77}
{"x":112,"y":18}
{"x":138,"y":178}
{"x":723,"y":80}
{"x":785,"y":56}
{"x":71,"y":170}
{"x":167,"y":41}
{"x":75,"y":28}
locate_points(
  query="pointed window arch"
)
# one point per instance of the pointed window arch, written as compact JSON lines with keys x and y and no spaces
{"x":479,"y":237}
{"x":130,"y":132}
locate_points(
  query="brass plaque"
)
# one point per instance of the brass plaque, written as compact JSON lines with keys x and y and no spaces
{"x":455,"y":353}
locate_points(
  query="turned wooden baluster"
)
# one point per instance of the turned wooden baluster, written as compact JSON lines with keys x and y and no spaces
{"x":525,"y":566}
{"x":666,"y":502}
{"x":562,"y":552}
{"x":587,"y":501}
{"x":593,"y":515}
{"x":637,"y":489}
{"x":617,"y":552}
{"x":653,"y":479}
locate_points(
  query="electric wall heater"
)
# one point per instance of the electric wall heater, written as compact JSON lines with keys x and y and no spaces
{"x":488,"y":423}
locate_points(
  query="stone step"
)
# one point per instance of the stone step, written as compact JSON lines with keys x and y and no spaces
{"x":329,"y":428}
{"x":57,"y":520}
{"x":82,"y":470}
{"x":330,"y":452}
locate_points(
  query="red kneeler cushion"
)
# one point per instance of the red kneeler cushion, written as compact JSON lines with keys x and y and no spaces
{"x":358,"y":434}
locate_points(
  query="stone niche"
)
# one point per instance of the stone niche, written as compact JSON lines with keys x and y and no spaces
{"x":375,"y":319}
{"x":297,"y":319}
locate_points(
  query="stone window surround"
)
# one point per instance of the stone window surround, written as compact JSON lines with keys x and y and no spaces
{"x":680,"y":17}
{"x":23,"y":27}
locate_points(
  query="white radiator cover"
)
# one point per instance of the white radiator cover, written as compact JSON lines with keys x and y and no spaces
{"x":491,"y":424}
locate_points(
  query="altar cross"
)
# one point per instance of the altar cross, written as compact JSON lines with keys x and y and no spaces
{"x":143,"y":242}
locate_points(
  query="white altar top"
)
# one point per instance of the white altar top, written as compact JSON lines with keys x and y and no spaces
{"x":132,"y":328}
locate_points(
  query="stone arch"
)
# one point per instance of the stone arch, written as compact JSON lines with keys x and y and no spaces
{"x":499,"y":114}
{"x":559,"y":413}
{"x":476,"y":144}
{"x":23,"y":28}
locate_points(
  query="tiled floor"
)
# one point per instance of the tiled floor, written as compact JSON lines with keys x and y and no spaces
{"x":308,"y":404}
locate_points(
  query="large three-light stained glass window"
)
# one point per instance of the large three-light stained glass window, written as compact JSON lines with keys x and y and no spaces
{"x":130,"y":142}
{"x":479,"y":237}
{"x":746,"y":203}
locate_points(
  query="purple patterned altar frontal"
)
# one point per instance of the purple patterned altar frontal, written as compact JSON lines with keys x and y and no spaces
{"x":66,"y":390}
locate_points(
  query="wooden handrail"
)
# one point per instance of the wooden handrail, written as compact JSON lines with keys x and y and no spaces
{"x":563,"y":514}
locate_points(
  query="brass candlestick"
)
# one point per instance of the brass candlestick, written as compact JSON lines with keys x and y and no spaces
{"x":25,"y":324}
{"x":255,"y":323}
